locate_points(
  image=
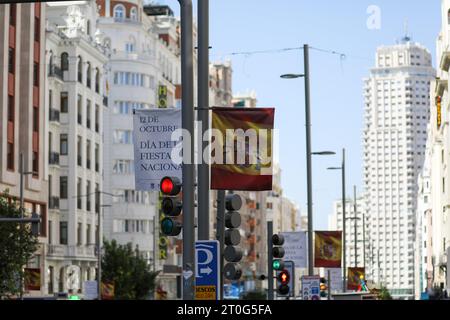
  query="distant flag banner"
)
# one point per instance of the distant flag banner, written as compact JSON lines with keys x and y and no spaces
{"x":107,"y":290}
{"x":356,"y":277}
{"x":328,"y":249}
{"x":241,"y":149}
{"x":32,"y":279}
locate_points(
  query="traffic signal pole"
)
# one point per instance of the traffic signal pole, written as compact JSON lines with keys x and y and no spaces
{"x":203,"y":117}
{"x":187,"y":123}
{"x":270,"y":294}
{"x":221,"y":233}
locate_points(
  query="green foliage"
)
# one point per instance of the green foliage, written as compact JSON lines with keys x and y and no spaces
{"x":17,"y":246}
{"x":128,"y":270}
{"x":254,"y":295}
{"x":384,"y":294}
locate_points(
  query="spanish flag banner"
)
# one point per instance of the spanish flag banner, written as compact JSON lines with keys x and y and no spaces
{"x":32,"y":279}
{"x":355,"y":278}
{"x":107,"y":290}
{"x":241,"y":149}
{"x":328,"y":249}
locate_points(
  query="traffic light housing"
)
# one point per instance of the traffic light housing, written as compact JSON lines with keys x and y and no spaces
{"x":283,"y":279}
{"x":171,"y":206}
{"x":323,"y":287}
{"x":278,"y":252}
{"x":232,"y":237}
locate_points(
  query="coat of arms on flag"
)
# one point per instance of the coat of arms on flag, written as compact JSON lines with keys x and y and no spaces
{"x":328,"y":249}
{"x":241,"y":149}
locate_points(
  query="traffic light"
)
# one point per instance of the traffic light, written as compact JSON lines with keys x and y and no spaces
{"x":283,"y":279}
{"x":278,"y":252}
{"x":323,"y":288}
{"x":35,"y":226}
{"x":232,"y":253}
{"x":171,"y":206}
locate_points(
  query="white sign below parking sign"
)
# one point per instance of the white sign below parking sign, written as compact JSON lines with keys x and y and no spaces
{"x":295,"y":248}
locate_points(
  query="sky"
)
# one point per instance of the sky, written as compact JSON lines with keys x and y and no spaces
{"x":336,"y":82}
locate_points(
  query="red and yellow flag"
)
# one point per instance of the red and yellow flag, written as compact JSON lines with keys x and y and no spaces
{"x":328,"y":249}
{"x":355,"y":275}
{"x":242,"y":156}
{"x":107,"y":290}
{"x":32,"y":279}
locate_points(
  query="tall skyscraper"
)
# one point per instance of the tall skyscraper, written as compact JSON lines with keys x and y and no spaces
{"x":397,"y":112}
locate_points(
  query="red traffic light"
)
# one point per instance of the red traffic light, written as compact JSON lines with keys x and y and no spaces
{"x":284,"y":277}
{"x":170,"y":186}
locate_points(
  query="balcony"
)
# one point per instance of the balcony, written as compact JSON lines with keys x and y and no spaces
{"x":54,"y":115}
{"x":53,"y":158}
{"x":86,"y":251}
{"x":55,"y":72}
{"x":105,"y":101}
{"x":445,"y":59}
{"x":53,"y":203}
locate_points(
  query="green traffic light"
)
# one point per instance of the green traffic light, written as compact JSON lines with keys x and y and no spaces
{"x":278,"y":265}
{"x":74,"y":298}
{"x":170,"y":227}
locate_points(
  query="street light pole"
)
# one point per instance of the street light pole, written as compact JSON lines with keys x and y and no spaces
{"x":355,"y":226}
{"x":203,"y":116}
{"x":187,"y":123}
{"x":344,"y":222}
{"x":308,"y":159}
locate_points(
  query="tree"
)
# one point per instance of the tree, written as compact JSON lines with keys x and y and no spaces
{"x":255,"y":295}
{"x":128,"y":270}
{"x":17,"y":246}
{"x":384,"y":294}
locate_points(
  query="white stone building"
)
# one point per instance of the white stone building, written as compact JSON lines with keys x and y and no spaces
{"x":144,"y":73}
{"x":435,"y":244}
{"x":75,"y":103}
{"x":397,"y":105}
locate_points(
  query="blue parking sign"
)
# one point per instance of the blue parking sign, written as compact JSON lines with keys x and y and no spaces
{"x":207,"y":269}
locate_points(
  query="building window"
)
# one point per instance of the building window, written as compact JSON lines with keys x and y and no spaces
{"x":63,"y":187}
{"x":97,"y":158}
{"x":10,"y":156}
{"x":12,"y":14}
{"x":88,"y":154}
{"x":79,"y":106}
{"x":122,"y":137}
{"x":119,"y":12}
{"x":97,"y":118}
{"x":37,"y":29}
{"x":88,"y":114}
{"x":80,"y":69}
{"x":63,"y":144}
{"x":133,"y":14}
{"x":65,"y":61}
{"x":79,"y":193}
{"x":64,"y":101}
{"x":79,"y":151}
{"x":88,"y":27}
{"x":97,"y":80}
{"x":88,"y":197}
{"x":88,"y":75}
{"x":36,"y":74}
{"x":11,"y":60}
{"x":79,"y":234}
{"x":11,"y":108}
{"x":63,"y":233}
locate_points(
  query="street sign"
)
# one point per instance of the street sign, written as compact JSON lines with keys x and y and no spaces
{"x":207,"y":269}
{"x":290,"y":267}
{"x":311,"y":287}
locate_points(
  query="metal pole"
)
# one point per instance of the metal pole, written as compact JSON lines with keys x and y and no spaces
{"x":270,"y":260}
{"x":355,"y":227}
{"x":308,"y":160}
{"x":329,"y":284}
{"x":21,"y":168}
{"x":99,"y":247}
{"x":220,"y":233}
{"x":187,"y":122}
{"x":364,"y":239}
{"x":344,"y":282}
{"x":203,"y":116}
